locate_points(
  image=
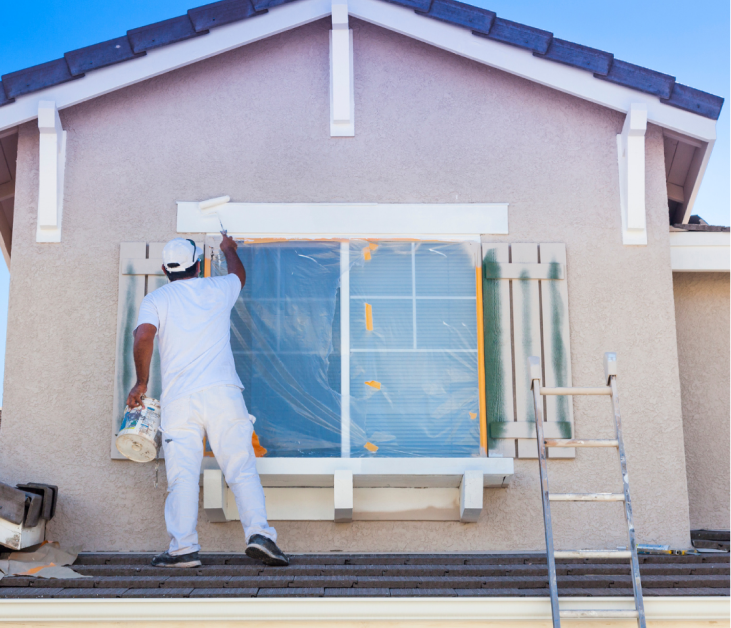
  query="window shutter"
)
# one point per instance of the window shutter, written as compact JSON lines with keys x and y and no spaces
{"x":139,"y":273}
{"x":525,"y":310}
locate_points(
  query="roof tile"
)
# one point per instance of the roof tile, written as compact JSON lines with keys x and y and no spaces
{"x":639,"y":78}
{"x":419,"y":5}
{"x":262,"y":5}
{"x":220,"y":13}
{"x":695,"y":100}
{"x":37,"y":77}
{"x":4,"y":100}
{"x":579,"y":56}
{"x":162,"y":33}
{"x":100,"y":55}
{"x":519,"y":35}
{"x":479,"y":20}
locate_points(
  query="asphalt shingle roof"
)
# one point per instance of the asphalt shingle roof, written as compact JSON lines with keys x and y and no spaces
{"x":483,"y":23}
{"x":380,"y":575}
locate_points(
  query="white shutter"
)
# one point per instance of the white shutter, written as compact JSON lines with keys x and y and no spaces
{"x":525,"y":309}
{"x":140,"y":272}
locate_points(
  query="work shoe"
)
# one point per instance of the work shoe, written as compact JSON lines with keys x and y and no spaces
{"x":266,"y":550}
{"x":184,"y":560}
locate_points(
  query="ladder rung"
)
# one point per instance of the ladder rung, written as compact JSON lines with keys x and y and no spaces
{"x":599,"y":614}
{"x":578,"y":442}
{"x":592,"y":554}
{"x":604,"y":390}
{"x":586,"y":497}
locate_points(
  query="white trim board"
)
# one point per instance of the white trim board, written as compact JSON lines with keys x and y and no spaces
{"x":700,"y":251}
{"x":354,"y":219}
{"x":520,"y":612}
{"x":379,"y":472}
{"x":455,"y":39}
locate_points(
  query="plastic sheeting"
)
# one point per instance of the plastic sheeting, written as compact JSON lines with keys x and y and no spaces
{"x":410,"y":341}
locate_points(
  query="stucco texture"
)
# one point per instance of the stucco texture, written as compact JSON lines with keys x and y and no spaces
{"x":702,"y":320}
{"x":431,"y":127}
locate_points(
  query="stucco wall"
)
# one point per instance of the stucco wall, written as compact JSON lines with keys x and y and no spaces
{"x":702,"y":321}
{"x":430,"y":127}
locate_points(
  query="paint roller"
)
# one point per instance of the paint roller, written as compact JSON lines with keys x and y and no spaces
{"x":213,"y":205}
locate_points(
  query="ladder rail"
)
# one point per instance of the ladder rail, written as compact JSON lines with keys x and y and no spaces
{"x":535,"y":369}
{"x":610,"y":364}
{"x":636,"y":583}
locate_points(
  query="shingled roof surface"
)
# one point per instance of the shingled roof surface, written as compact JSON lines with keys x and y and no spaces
{"x":127,"y":575}
{"x":481,"y":22}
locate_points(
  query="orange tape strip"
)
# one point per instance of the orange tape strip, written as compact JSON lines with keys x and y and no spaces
{"x":367,"y":254}
{"x":473,"y":415}
{"x":374,"y":384}
{"x":259,"y":450}
{"x":369,"y":317}
{"x":481,"y":364}
{"x":371,"y":447}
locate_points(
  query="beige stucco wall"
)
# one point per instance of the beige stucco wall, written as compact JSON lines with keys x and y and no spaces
{"x":430,"y":127}
{"x":702,"y":321}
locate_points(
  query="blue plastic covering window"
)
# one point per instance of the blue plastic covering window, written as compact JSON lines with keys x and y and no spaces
{"x":419,"y":358}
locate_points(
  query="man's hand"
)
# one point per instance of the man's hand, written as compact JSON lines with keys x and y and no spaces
{"x":134,"y":399}
{"x":228,"y":243}
{"x":233,"y":262}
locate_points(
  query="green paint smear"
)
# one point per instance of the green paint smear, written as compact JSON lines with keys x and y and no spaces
{"x":494,"y":360}
{"x":525,"y":286}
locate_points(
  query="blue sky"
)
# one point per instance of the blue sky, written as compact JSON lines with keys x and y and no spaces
{"x":689,"y":40}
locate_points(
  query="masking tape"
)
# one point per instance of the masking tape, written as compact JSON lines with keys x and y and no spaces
{"x":369,"y":317}
{"x":367,"y":254}
{"x":374,"y":384}
{"x":371,"y":447}
{"x":372,"y":246}
{"x":473,"y":415}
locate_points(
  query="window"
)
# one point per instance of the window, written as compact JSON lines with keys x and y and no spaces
{"x":360,"y":348}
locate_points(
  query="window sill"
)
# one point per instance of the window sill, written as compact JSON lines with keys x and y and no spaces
{"x":367,"y":489}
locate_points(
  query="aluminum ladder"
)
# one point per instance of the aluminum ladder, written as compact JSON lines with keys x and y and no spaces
{"x":610,"y":390}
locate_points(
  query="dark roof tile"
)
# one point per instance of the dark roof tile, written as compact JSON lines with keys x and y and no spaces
{"x":479,"y":20}
{"x":419,"y":5}
{"x":220,"y":13}
{"x":4,"y":100}
{"x":639,"y":78}
{"x":162,"y":33}
{"x":37,"y":77}
{"x":695,"y":100}
{"x":100,"y":55}
{"x":578,"y":56}
{"x":261,"y":5}
{"x":519,"y":35}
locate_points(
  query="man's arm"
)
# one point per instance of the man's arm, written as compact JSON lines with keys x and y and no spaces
{"x":144,"y":337}
{"x":233,"y":262}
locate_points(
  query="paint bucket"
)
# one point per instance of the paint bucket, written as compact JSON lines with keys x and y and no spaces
{"x":139,"y":437}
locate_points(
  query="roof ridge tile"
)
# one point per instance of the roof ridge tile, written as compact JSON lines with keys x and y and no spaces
{"x":477,"y":19}
{"x":220,"y":13}
{"x":162,"y":33}
{"x":520,"y":35}
{"x":578,"y":56}
{"x":37,"y":77}
{"x":100,"y":55}
{"x":695,"y":101}
{"x":639,"y":78}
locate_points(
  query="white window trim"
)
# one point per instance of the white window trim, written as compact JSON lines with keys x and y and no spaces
{"x":312,"y":220}
{"x":451,"y":222}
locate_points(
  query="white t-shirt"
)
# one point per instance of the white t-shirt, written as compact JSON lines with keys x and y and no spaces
{"x":193,"y":321}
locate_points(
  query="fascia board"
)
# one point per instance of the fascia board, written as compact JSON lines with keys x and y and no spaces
{"x":522,"y":63}
{"x":455,"y":39}
{"x":161,"y":60}
{"x":694,"y":251}
{"x":686,"y":611}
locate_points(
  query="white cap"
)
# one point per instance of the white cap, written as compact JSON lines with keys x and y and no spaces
{"x":180,"y":254}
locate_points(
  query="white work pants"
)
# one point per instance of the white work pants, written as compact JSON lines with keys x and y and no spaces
{"x":220,"y":413}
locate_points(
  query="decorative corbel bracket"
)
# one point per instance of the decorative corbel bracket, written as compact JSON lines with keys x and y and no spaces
{"x":342,"y":100}
{"x":51,"y":167}
{"x":631,"y":153}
